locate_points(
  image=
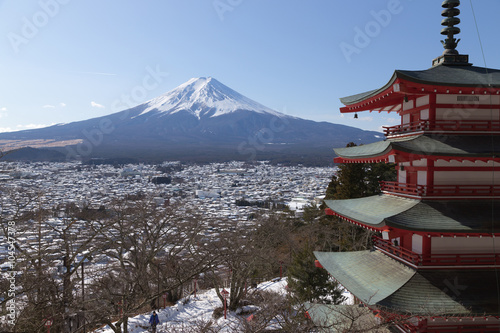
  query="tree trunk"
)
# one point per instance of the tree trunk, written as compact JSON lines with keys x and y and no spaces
{"x":125,"y":324}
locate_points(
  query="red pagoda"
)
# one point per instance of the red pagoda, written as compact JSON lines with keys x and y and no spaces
{"x":435,"y":263}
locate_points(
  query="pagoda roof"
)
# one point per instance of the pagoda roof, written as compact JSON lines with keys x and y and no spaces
{"x":461,"y":76}
{"x":341,"y":317}
{"x":441,"y":75}
{"x":439,"y":216}
{"x":444,"y":79}
{"x":380,"y":281}
{"x":457,"y":147}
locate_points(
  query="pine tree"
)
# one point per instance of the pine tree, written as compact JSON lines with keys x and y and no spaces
{"x":309,"y":283}
{"x":357,"y":180}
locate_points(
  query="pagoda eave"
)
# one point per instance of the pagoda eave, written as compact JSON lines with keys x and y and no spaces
{"x":407,"y":291}
{"x":400,"y":156}
{"x":448,"y":218}
{"x":467,"y":80}
{"x":402,"y":149}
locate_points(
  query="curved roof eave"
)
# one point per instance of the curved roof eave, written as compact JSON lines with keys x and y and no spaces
{"x":353,"y":99}
{"x":372,"y":210}
{"x":441,"y":216}
{"x":379,"y":280}
{"x":453,"y":146}
{"x":441,"y":75}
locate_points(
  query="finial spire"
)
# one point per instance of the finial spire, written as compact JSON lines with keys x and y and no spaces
{"x":450,"y":55}
{"x":450,"y":13}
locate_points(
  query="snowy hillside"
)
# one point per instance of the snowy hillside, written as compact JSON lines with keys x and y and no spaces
{"x":189,"y":312}
{"x":195,"y":310}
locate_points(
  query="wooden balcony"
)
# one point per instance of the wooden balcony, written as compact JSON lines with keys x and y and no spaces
{"x":396,"y":251}
{"x":451,"y":260}
{"x":444,"y":126}
{"x":421,"y":191}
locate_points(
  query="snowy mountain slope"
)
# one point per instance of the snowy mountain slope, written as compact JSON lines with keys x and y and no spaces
{"x":205,"y":97}
{"x":201,"y":120}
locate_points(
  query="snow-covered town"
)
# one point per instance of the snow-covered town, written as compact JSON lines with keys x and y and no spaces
{"x":211,"y":188}
{"x":229,"y":193}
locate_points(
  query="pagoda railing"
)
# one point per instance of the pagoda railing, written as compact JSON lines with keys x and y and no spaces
{"x":397,"y":251}
{"x":444,"y":126}
{"x":462,"y":259}
{"x":459,"y":329}
{"x":440,"y":190}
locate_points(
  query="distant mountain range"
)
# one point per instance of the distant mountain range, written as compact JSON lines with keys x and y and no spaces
{"x":201,"y":120}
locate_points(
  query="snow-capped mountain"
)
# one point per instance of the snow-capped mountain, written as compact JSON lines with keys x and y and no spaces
{"x":200,"y":120}
{"x":205,"y":97}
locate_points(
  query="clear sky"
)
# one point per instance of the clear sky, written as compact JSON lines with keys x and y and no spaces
{"x":69,"y":60}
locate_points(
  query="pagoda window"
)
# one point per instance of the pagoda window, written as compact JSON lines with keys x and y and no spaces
{"x":424,"y":114}
{"x":422,"y":177}
{"x":405,"y":119}
{"x":417,"y":243}
{"x":402,"y":174}
{"x":408,"y":105}
{"x":421,"y":101}
{"x":462,"y":245}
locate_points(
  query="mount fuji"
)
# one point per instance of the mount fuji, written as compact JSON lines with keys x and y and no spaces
{"x":201,"y":120}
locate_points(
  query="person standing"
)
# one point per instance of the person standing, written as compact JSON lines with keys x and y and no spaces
{"x":154,"y":321}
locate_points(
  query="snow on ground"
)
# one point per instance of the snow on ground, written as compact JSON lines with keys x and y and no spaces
{"x":191,"y":310}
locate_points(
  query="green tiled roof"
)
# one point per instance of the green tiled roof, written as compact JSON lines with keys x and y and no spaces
{"x":381,"y":281}
{"x":372,"y":210}
{"x":460,"y":76}
{"x":343,"y":318}
{"x":450,"y":145}
{"x":364,"y":151}
{"x":478,"y":216}
{"x":448,"y":292}
{"x":370,"y":275}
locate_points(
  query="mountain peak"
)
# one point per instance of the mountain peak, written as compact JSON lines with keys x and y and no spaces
{"x":204,"y":97}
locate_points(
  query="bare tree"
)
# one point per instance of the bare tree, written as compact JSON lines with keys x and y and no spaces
{"x":50,"y":246}
{"x":246,"y":254}
{"x":152,"y":250}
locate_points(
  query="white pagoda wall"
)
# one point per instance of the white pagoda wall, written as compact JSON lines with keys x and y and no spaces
{"x":467,"y":114}
{"x":450,"y":245}
{"x":463,"y":99}
{"x":470,"y":113}
{"x":443,"y":163}
{"x":466,"y":177}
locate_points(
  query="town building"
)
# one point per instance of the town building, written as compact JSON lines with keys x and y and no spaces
{"x":435,"y":262}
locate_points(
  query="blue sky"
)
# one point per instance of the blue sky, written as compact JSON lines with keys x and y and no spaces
{"x":69,"y":60}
